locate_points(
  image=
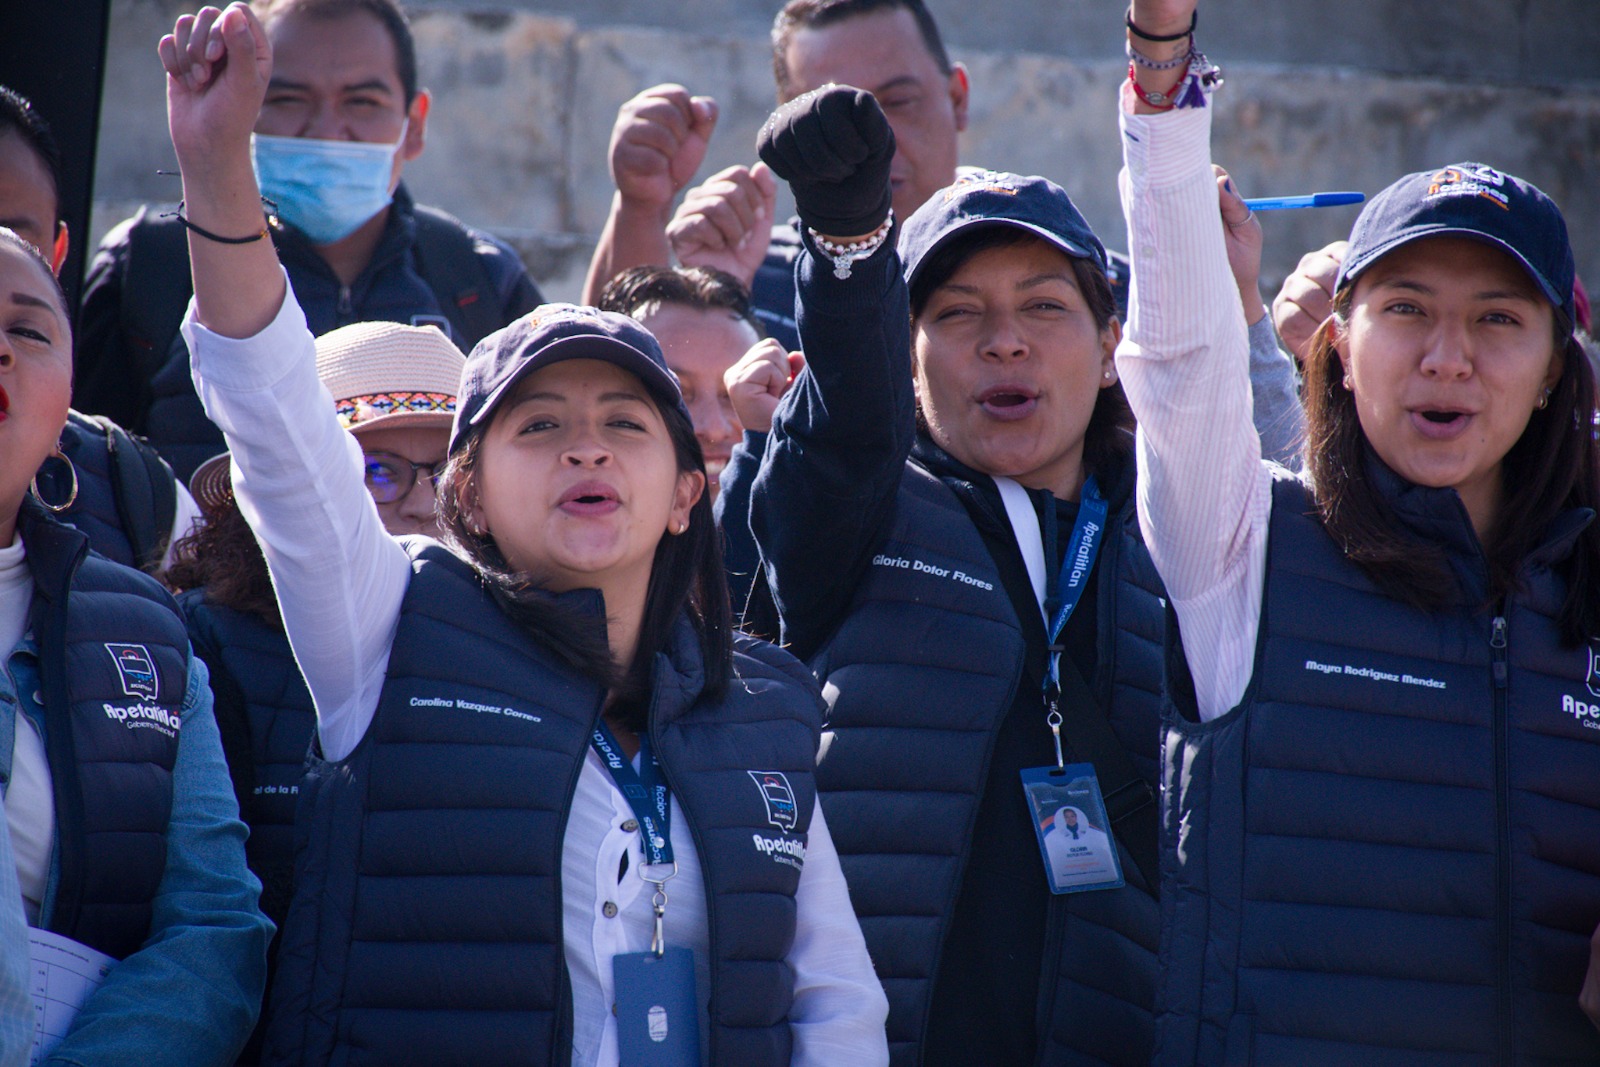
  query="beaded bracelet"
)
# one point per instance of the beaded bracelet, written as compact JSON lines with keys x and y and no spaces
{"x":1163,"y":64}
{"x":846,"y":256}
{"x":1199,"y":80}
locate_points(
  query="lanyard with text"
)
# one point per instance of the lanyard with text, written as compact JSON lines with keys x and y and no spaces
{"x":656,"y":1007}
{"x":1068,"y":813}
{"x":646,"y":792}
{"x":1071,"y":579}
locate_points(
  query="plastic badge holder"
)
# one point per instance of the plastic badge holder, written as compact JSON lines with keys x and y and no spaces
{"x":658,"y":1022}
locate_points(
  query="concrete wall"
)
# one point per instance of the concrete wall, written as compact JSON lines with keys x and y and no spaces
{"x":1319,"y":96}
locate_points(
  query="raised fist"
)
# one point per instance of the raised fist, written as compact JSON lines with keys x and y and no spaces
{"x":726,"y":223}
{"x":833,"y":146}
{"x":658,"y":143}
{"x":758,"y":381}
{"x":217,"y":63}
{"x":1306,"y":298}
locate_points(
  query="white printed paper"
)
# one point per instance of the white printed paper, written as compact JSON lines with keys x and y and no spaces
{"x":62,"y":974}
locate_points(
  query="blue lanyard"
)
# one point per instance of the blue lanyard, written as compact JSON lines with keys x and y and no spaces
{"x":645,"y":790}
{"x":1073,"y":572}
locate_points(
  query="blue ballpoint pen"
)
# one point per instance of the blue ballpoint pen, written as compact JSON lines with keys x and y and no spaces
{"x":1281,"y":203}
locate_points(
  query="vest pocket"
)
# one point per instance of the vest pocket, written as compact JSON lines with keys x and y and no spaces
{"x":1241,"y":1039}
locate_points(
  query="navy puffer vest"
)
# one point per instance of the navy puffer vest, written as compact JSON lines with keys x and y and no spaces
{"x":427,"y":921}
{"x":919,"y":677}
{"x":266,"y":718}
{"x":1389,"y":853}
{"x":113,"y":672}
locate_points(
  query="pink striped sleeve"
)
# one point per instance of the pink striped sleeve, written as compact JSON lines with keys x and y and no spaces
{"x":1204,"y":493}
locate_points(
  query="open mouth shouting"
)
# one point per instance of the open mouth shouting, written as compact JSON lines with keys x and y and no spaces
{"x":589,"y":499}
{"x":1440,"y":423}
{"x":1008,"y":403}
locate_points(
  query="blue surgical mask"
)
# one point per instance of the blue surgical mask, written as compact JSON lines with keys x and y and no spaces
{"x":325,"y":189}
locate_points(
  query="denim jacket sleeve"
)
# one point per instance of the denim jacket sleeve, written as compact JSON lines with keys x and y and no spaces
{"x":16,"y":1005}
{"x":191,"y":993}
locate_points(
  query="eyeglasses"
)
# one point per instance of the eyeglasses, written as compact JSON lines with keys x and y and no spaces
{"x":391,"y":477}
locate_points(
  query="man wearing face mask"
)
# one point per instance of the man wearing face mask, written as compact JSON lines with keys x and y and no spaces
{"x":342,"y":116}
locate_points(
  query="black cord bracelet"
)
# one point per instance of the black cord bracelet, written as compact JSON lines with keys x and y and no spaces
{"x":217,"y":237}
{"x":221,"y":240}
{"x":1137,"y":32}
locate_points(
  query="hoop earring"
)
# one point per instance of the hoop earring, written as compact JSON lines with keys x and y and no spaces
{"x":33,"y":486}
{"x":1544,"y":399}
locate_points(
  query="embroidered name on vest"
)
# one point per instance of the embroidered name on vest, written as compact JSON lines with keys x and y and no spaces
{"x":901,"y":563}
{"x":467,"y":705}
{"x":1373,"y":674}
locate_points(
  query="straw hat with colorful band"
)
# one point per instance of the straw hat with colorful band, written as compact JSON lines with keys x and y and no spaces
{"x":389,"y":374}
{"x":381,"y":374}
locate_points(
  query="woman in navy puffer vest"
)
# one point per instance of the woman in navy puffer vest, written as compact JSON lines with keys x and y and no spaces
{"x":556,"y":813}
{"x":1381,"y":824}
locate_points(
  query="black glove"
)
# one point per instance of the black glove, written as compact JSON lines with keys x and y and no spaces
{"x":833,"y":146}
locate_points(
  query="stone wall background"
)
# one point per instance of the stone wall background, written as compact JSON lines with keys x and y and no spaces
{"x":1319,"y":96}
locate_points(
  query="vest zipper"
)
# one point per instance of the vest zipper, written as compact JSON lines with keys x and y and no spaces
{"x":345,"y":305}
{"x":1502,"y":919}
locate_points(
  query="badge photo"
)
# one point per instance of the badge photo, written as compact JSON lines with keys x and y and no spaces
{"x":1069,"y":819}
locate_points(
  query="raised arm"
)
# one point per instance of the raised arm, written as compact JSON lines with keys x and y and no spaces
{"x":1203,"y":494}
{"x":658,"y":142}
{"x":298,"y":476}
{"x":841,"y":435}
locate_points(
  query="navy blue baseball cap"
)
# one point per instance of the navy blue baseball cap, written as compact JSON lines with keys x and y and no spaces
{"x":549,"y":334}
{"x":1468,"y":200}
{"x":989,"y":198}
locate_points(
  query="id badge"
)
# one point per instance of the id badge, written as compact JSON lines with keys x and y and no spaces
{"x":1069,"y":819}
{"x":658,"y":1021}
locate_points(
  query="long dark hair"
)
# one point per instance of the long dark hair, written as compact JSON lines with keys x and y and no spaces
{"x":1553,"y":467}
{"x":687,"y":574}
{"x":222,"y":556}
{"x":1108,"y":439}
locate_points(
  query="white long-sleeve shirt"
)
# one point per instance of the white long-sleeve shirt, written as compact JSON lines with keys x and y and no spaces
{"x":1204,"y":494}
{"x":340,"y":579}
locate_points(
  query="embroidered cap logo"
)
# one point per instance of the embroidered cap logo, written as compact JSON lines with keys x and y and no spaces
{"x":777,"y":795}
{"x":1480,"y":181}
{"x":138,"y":671}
